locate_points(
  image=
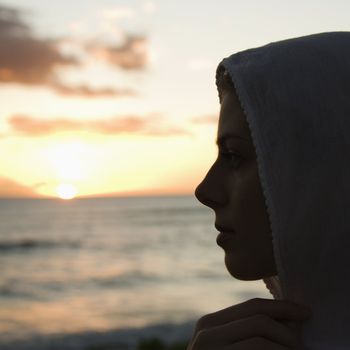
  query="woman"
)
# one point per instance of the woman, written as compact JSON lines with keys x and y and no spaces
{"x":280,"y":190}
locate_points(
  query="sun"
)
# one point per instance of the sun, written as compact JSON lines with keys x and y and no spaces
{"x":66,"y":191}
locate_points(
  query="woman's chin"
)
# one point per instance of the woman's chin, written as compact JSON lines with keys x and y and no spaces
{"x":239,"y":270}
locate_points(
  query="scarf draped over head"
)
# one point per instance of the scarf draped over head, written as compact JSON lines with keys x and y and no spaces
{"x":296,"y":97}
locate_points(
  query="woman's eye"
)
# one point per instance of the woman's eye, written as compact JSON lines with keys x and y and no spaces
{"x":231,"y":157}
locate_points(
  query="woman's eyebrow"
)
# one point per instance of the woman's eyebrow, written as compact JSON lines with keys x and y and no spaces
{"x":222,"y":139}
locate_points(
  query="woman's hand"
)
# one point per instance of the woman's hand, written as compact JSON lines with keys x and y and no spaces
{"x":255,"y":324}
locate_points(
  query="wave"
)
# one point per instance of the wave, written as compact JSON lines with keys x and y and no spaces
{"x":123,"y":339}
{"x":42,"y":290}
{"x":127,"y":280}
{"x":171,"y":211}
{"x":30,"y":243}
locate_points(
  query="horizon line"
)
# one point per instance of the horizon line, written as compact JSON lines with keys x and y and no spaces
{"x":103,"y":196}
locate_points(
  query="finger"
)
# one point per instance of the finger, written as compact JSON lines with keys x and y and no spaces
{"x":255,"y":343}
{"x":276,"y":309}
{"x":257,"y":325}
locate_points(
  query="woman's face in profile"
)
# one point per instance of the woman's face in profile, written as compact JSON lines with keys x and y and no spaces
{"x":232,"y":189}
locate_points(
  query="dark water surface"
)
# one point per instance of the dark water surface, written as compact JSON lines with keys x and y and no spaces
{"x":102,"y":264}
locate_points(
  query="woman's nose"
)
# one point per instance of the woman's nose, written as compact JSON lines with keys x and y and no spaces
{"x":210,"y":192}
{"x":203,"y":197}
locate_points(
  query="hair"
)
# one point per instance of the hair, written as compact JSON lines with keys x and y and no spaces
{"x":223,"y":81}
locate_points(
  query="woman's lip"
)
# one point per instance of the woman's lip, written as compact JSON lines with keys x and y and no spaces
{"x":224,"y":237}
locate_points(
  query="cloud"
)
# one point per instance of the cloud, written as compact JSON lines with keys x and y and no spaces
{"x":150,"y":125}
{"x":11,"y":188}
{"x":132,"y":54}
{"x":23,"y":58}
{"x":84,"y":90}
{"x":206,"y":119}
{"x":10,"y":21}
{"x":28,"y":60}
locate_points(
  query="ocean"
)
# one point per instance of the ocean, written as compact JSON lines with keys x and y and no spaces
{"x":87,"y":270}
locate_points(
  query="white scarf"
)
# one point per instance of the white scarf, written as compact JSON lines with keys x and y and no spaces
{"x":296,"y":97}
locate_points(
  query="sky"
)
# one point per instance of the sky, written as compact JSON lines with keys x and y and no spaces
{"x":111,"y":98}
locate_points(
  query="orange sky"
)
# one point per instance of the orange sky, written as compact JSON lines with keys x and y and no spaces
{"x":119,"y":98}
